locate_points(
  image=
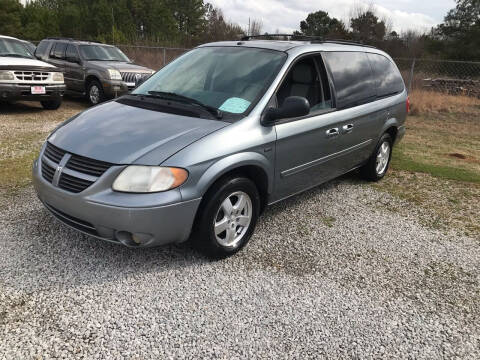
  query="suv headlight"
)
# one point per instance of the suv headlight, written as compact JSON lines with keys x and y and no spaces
{"x":114,"y":74}
{"x":148,"y":179}
{"x":58,"y":76}
{"x":6,"y":75}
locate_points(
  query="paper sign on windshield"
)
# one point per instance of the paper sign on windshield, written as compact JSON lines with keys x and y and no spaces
{"x":235,"y":105}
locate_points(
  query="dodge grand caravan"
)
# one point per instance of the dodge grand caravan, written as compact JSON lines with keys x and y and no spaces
{"x":199,"y":149}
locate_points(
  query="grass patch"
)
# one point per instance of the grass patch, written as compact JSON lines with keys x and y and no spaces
{"x":17,"y":171}
{"x":401,"y":161}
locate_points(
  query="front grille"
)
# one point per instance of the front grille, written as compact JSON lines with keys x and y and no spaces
{"x":88,"y":166}
{"x":129,"y":77}
{"x":47,"y":172}
{"x":73,"y":184}
{"x":31,"y":75}
{"x":53,"y":153}
{"x":74,"y":222}
{"x":83,"y":171}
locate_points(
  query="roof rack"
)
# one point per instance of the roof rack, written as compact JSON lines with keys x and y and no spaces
{"x":301,"y":37}
{"x":71,"y":39}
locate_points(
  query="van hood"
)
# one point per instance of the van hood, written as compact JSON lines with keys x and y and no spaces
{"x":123,"y":134}
{"x":16,"y":61}
{"x":121,"y":66}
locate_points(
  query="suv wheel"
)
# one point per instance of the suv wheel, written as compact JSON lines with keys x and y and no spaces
{"x":51,"y":104}
{"x":95,"y":92}
{"x":227,"y":218}
{"x":377,"y":166}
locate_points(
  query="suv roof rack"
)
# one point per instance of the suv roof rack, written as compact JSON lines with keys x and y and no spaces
{"x":71,"y":39}
{"x":301,"y":37}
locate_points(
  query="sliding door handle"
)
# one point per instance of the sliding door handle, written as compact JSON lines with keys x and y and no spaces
{"x":332,"y":132}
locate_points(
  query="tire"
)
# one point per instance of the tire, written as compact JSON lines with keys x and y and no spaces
{"x":51,"y":104}
{"x":375,"y":170}
{"x":215,"y":215}
{"x":95,"y":94}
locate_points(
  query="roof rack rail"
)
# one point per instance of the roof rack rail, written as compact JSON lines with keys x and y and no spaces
{"x":301,"y":37}
{"x":72,"y":39}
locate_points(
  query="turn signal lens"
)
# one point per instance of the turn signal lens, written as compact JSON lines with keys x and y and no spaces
{"x":147,"y":179}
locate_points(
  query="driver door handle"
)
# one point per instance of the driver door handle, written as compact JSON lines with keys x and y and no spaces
{"x":347,"y":128}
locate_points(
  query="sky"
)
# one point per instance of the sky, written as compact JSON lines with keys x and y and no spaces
{"x":285,"y":15}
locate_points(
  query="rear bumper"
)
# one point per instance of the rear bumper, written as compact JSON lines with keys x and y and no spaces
{"x":13,"y":92}
{"x":135,"y":220}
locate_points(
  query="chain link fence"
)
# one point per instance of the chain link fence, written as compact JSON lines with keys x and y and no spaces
{"x":152,"y":57}
{"x":451,"y":77}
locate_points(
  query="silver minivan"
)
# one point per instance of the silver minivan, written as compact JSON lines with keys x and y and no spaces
{"x":200,"y":148}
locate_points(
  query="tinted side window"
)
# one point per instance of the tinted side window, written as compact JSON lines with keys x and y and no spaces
{"x":42,"y":48}
{"x":71,"y":52}
{"x":352,"y":76}
{"x":58,"y":52}
{"x":389,"y":80}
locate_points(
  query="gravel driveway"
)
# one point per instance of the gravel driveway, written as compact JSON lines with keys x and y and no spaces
{"x":340,"y":271}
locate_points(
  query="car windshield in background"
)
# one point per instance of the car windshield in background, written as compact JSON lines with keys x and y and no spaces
{"x":102,"y":53}
{"x":226,"y":78}
{"x":14,"y":48}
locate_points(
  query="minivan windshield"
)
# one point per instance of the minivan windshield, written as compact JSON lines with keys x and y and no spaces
{"x":14,"y":48}
{"x":102,"y":53}
{"x":229,"y":79}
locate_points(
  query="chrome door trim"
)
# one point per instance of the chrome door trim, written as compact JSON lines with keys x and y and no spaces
{"x":303,"y":167}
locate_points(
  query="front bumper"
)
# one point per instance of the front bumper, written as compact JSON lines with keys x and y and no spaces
{"x":114,"y":88}
{"x":19,"y":92}
{"x":136,"y":220}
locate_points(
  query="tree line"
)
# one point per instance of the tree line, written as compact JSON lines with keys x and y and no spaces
{"x":185,"y":23}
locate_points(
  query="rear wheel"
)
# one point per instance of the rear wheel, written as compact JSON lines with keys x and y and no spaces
{"x":227,"y":217}
{"x":95,"y":92}
{"x":51,"y":104}
{"x":377,"y":166}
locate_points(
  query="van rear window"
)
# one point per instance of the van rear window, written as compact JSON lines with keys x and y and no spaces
{"x":353,"y":78}
{"x":389,"y":80}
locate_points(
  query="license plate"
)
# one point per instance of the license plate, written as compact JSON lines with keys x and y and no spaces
{"x":38,"y":90}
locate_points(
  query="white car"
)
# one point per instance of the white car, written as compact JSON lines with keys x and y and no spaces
{"x":24,"y":78}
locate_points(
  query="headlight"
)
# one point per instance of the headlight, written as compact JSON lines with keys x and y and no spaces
{"x":114,"y":74}
{"x":58,"y":76}
{"x":147,"y":179}
{"x":6,"y":75}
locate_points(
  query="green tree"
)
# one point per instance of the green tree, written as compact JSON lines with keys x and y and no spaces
{"x":367,"y":27}
{"x":321,"y":24}
{"x":460,"y":31}
{"x":10,"y":17}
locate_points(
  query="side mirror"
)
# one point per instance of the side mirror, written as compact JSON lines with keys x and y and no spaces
{"x":293,"y":106}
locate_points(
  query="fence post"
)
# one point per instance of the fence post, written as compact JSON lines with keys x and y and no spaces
{"x":164,"y":56}
{"x":410,"y":81}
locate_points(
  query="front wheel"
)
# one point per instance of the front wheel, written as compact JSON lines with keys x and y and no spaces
{"x":377,"y":166}
{"x":51,"y":104}
{"x":95,"y":92}
{"x":227,"y":217}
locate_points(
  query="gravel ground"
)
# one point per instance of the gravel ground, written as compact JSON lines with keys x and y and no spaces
{"x":336,"y":272}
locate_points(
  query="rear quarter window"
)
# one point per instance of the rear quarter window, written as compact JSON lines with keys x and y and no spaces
{"x":388,"y":78}
{"x":352,"y":77}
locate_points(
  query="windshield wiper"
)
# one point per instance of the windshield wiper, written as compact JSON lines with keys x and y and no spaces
{"x":174,"y":96}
